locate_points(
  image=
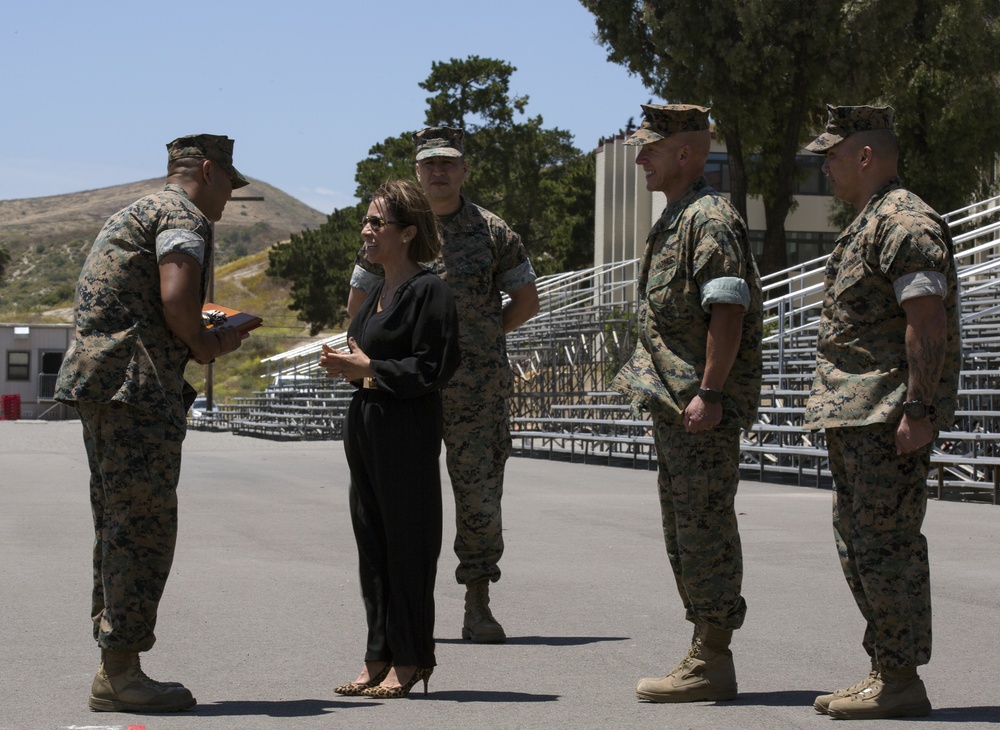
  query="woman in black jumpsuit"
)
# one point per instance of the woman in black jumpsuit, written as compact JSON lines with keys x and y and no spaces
{"x":403,"y":349}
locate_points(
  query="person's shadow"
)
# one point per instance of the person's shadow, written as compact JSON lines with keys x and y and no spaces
{"x":479,"y":695}
{"x":805,"y":698}
{"x":313,"y":708}
{"x":281,"y":708}
{"x":546,"y":640}
{"x":962,"y":714}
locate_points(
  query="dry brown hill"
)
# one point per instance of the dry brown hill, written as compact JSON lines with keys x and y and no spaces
{"x":48,"y":238}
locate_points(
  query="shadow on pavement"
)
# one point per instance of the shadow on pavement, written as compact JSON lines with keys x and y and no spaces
{"x":282,"y":708}
{"x":488,"y":696}
{"x":546,"y":640}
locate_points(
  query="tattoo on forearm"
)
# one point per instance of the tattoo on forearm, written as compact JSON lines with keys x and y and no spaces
{"x":925,"y":356}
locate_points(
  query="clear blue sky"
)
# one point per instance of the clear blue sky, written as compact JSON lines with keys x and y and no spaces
{"x":91,"y":92}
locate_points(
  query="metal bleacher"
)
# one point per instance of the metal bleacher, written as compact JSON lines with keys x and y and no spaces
{"x":593,"y":424}
{"x":564,"y":359}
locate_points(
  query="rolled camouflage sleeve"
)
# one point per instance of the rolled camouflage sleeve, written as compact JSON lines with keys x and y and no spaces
{"x":720,"y":267}
{"x":920,"y":284}
{"x":366,"y":275}
{"x":725,"y":290}
{"x":364,"y":280}
{"x":177,"y":240}
{"x":513,"y":279}
{"x":514,"y":270}
{"x":913,"y":243}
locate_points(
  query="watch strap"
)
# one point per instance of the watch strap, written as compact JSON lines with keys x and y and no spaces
{"x":710,"y":396}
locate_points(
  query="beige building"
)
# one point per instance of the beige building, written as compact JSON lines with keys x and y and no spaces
{"x":625,"y":210}
{"x":30,"y":355}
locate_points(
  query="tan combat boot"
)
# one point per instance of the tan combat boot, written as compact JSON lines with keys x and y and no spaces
{"x":897,"y":693}
{"x":822,"y":703}
{"x":705,"y":673}
{"x":122,"y":686}
{"x":479,"y":625}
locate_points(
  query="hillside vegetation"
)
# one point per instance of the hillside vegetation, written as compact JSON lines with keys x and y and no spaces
{"x":243,"y":285}
{"x":49,"y":238}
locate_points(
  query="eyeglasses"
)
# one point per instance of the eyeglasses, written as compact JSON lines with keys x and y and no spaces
{"x":377,"y":222}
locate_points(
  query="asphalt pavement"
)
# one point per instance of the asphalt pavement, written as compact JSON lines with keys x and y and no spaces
{"x":262,"y":615}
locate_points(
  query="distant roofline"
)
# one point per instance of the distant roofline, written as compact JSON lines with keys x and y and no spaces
{"x":42,"y":325}
{"x":623,"y":135}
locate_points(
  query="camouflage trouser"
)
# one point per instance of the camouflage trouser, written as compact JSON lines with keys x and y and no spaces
{"x":698,"y":476}
{"x":135,"y":463}
{"x":878,"y":506}
{"x":477,"y":438}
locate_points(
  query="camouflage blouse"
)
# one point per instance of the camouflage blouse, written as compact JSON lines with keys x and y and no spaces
{"x":698,"y":241}
{"x":122,"y":349}
{"x":861,"y":367}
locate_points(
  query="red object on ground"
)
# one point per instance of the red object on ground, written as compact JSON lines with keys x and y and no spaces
{"x":10,"y":407}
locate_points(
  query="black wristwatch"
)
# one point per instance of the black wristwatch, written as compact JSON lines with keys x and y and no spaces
{"x":710,"y":396}
{"x":916,"y":409}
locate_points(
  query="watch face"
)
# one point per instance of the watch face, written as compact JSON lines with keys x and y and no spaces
{"x":710,"y":396}
{"x":914,"y":409}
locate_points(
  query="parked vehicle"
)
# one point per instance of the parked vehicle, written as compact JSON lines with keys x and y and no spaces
{"x":199,"y":409}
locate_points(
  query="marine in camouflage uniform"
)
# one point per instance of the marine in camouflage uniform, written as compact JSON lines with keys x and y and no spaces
{"x":124,"y":374}
{"x":481,"y":258}
{"x":697,"y":370}
{"x":872,"y":392}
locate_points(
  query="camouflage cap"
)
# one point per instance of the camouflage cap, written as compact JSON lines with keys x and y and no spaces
{"x":217,"y":148}
{"x":846,"y":120}
{"x":439,"y":142}
{"x":662,"y":120}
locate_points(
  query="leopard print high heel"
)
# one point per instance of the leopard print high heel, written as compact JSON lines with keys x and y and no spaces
{"x":355,"y":689}
{"x":391,"y":693}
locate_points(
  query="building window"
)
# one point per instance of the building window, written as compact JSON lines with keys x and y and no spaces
{"x":18,"y":365}
{"x":802,"y":246}
{"x":50,"y":362}
{"x":811,"y":180}
{"x":717,"y":172}
{"x":809,"y":245}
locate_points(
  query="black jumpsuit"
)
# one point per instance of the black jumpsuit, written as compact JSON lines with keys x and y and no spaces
{"x":392,"y":438}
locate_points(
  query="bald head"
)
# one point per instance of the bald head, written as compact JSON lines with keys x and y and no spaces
{"x":700,"y":143}
{"x":671,"y":164}
{"x":186,"y":168}
{"x":860,"y":165}
{"x":882,"y":143}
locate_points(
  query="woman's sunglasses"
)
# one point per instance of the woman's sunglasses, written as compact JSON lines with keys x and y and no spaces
{"x":377,"y":222}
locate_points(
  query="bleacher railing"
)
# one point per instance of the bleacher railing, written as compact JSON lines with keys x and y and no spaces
{"x":566,"y":356}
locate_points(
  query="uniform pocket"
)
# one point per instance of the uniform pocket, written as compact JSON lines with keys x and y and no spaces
{"x":477,"y":267}
{"x":658,"y":287}
{"x":849,"y":276}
